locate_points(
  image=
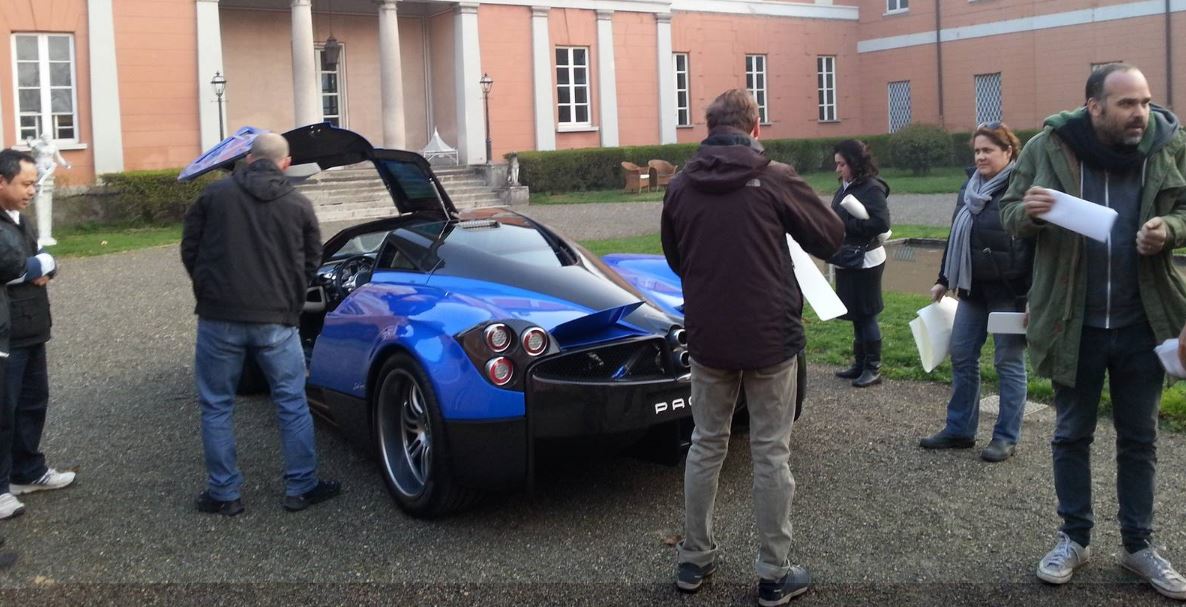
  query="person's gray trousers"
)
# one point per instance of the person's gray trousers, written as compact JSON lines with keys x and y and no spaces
{"x":770,"y":398}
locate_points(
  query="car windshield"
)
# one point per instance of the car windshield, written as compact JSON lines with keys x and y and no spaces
{"x":363,"y":244}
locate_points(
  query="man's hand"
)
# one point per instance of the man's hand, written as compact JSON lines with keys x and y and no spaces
{"x":1182,"y":347}
{"x":40,"y":281}
{"x":1151,"y":237}
{"x":938,"y":291}
{"x":1037,"y":201}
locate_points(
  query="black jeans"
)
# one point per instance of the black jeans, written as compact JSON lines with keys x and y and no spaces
{"x":23,"y":417}
{"x":1135,"y":381}
{"x":865,"y":328}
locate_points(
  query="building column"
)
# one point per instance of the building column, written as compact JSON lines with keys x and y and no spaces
{"x":306,"y":96}
{"x":467,"y":69}
{"x":106,"y":125}
{"x":209,"y":63}
{"x":607,"y":79}
{"x":541,"y":63}
{"x":391,"y":77}
{"x":667,"y":112}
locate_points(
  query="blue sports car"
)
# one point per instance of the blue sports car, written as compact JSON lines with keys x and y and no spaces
{"x":453,"y":344}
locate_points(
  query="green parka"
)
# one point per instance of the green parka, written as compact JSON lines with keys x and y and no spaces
{"x":1057,"y":294}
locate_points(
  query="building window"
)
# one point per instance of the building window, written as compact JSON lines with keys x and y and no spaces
{"x":825,"y":69}
{"x":333,"y":90}
{"x":572,"y":85}
{"x":683,"y":105}
{"x":896,"y":6}
{"x":755,"y":82}
{"x":988,"y":98}
{"x":45,"y":96}
{"x":899,"y":105}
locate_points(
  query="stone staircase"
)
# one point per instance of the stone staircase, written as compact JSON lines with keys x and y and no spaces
{"x":356,"y":193}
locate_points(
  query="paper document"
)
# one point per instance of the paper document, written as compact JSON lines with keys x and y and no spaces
{"x":1077,"y":215}
{"x":932,"y":332}
{"x":1008,"y":323}
{"x":1167,"y":353}
{"x":815,"y":287}
{"x":854,"y":206}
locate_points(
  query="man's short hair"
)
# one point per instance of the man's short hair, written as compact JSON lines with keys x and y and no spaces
{"x":1095,"y":82}
{"x":10,"y":163}
{"x":734,"y":108}
{"x":270,"y":146}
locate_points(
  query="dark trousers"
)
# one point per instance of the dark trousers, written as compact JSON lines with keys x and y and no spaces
{"x":23,"y":416}
{"x":1135,"y":380}
{"x":865,"y":328}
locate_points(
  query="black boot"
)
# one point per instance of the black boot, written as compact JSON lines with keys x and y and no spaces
{"x":872,"y":372}
{"x":858,"y":364}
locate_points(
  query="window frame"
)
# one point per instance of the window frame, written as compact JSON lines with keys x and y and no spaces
{"x":343,"y":117}
{"x":751,"y":77}
{"x":572,"y":87}
{"x":683,"y":112}
{"x":820,"y":73}
{"x":1000,"y":101}
{"x":890,"y":107}
{"x":894,"y":7}
{"x":45,"y":116}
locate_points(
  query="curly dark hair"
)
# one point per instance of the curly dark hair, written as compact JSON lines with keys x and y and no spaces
{"x":858,"y":157}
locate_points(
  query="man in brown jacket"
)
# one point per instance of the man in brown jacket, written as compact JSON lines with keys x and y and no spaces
{"x":725,"y":222}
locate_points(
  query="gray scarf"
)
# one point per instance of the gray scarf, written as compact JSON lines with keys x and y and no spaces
{"x":958,"y":267}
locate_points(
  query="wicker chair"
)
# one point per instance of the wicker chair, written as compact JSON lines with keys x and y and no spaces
{"x":637,"y":178}
{"x":661,"y":173}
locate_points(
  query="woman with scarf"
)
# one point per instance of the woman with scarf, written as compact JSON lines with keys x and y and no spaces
{"x":860,"y":203}
{"x":989,"y":271}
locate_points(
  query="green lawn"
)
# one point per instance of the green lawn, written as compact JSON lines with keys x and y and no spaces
{"x":88,"y":241}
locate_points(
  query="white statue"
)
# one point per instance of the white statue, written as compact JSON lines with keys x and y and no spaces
{"x":513,"y":171}
{"x":48,"y":158}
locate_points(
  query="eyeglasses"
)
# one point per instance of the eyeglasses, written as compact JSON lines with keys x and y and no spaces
{"x":992,"y":126}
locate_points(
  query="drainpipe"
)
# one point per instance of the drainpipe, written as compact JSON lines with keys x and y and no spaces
{"x":939,"y":61}
{"x":1169,"y":58}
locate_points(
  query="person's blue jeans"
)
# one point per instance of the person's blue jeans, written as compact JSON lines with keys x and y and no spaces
{"x":968,"y":335}
{"x":221,"y":349}
{"x":22,"y":416}
{"x":1135,"y":380}
{"x":865,"y":328}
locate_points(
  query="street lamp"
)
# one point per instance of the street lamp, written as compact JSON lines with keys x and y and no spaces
{"x":219,"y":83}
{"x":487,"y":83}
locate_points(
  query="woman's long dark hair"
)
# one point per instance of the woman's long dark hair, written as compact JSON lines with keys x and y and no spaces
{"x":859,"y":158}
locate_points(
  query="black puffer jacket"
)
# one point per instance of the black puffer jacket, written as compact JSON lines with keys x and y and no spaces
{"x":251,"y":244}
{"x":1001,"y":263}
{"x":872,"y":193}
{"x":12,"y":265}
{"x":28,"y":303}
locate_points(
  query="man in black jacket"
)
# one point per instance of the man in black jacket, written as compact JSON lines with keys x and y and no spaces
{"x":251,"y":244}
{"x":725,"y":223}
{"x":22,"y":465}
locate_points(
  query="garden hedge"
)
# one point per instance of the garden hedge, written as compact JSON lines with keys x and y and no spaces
{"x":151,"y":197}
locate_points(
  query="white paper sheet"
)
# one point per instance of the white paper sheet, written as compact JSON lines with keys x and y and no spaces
{"x":854,"y":206}
{"x":1167,"y":353}
{"x":1008,"y":323}
{"x":816,"y":289}
{"x":1077,"y":215}
{"x":932,"y":332}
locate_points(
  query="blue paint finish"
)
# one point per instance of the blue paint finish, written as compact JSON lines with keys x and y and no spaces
{"x":651,"y":275}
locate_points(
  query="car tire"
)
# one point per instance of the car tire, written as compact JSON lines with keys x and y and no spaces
{"x":411,"y":444}
{"x":251,"y":381}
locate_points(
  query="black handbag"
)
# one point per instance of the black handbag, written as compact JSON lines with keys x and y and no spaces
{"x":849,"y":257}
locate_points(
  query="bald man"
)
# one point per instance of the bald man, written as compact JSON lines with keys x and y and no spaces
{"x":251,"y":245}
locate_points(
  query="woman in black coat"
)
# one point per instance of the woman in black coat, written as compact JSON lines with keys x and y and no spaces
{"x":989,"y":270}
{"x":861,"y":260}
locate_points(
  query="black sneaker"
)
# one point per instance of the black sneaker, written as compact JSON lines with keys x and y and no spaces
{"x":781,"y":591}
{"x":946,"y":441}
{"x":689,"y":577}
{"x":323,"y":491}
{"x":209,"y":505}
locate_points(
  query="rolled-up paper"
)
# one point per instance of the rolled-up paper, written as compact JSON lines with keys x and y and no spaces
{"x":932,"y":332}
{"x":815,"y":287}
{"x":1167,"y":353}
{"x":854,"y":206}
{"x":1077,"y":215}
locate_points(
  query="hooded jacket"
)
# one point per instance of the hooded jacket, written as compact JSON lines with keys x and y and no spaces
{"x":725,"y":222}
{"x":251,"y":245}
{"x":1058,"y":293}
{"x":12,"y":267}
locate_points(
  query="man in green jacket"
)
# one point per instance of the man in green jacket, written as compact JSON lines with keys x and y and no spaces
{"x":1097,"y":307}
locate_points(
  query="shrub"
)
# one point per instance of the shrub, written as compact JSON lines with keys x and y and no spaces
{"x":919,"y":147}
{"x":152,"y":197}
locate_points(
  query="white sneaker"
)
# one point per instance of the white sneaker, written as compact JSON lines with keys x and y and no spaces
{"x":1155,"y":569}
{"x":52,"y":479}
{"x":10,"y":506}
{"x":1060,"y":564}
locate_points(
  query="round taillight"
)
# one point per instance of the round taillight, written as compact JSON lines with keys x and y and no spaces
{"x":500,"y":370}
{"x":498,"y":337}
{"x":535,"y":341}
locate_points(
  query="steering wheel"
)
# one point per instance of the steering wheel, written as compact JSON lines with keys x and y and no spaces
{"x":344,"y":279}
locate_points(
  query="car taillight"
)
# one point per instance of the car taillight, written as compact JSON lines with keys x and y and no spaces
{"x":500,"y":370}
{"x":535,"y":341}
{"x":498,"y":337}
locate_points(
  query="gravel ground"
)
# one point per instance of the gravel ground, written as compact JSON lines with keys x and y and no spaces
{"x":877,"y":520}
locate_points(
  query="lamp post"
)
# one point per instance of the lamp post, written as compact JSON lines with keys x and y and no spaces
{"x":487,"y":83}
{"x":219,"y":83}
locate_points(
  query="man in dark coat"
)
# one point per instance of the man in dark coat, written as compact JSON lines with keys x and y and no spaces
{"x":725,"y":223}
{"x":22,"y":465}
{"x":251,"y":244}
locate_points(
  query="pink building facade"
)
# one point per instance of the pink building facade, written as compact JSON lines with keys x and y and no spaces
{"x":126,"y":85}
